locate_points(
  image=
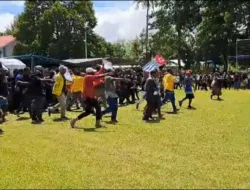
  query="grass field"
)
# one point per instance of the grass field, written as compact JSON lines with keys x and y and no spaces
{"x":204,"y":148}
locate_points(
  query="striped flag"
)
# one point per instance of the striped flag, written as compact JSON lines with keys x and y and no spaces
{"x":151,"y":66}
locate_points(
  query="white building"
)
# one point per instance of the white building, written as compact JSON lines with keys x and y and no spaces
{"x":7,"y":44}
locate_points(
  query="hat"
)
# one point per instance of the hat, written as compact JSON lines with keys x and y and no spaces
{"x":189,"y":72}
{"x":39,"y":68}
{"x":90,"y":70}
{"x":62,"y":67}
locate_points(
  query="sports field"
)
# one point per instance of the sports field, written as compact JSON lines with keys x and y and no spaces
{"x":204,"y":148}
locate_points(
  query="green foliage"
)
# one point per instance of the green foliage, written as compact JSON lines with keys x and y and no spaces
{"x":198,"y":30}
{"x":194,"y":31}
{"x":57,"y":29}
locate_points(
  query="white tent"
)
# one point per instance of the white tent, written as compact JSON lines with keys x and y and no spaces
{"x":12,"y":64}
{"x":3,"y":67}
{"x":174,"y":63}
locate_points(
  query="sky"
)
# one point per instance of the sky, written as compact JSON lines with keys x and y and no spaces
{"x":116,"y":19}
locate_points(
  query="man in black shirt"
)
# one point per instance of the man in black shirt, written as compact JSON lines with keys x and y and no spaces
{"x":36,"y":90}
{"x":3,"y":95}
{"x":25,"y":96}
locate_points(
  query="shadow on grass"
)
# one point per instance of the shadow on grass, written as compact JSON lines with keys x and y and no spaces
{"x":155,"y":120}
{"x":1,"y":132}
{"x":173,"y":113}
{"x":107,"y":116}
{"x":60,"y":120}
{"x":193,"y":108}
{"x":77,"y":111}
{"x":22,"y":119}
{"x":112,"y":123}
{"x":92,"y":130}
{"x":219,"y":100}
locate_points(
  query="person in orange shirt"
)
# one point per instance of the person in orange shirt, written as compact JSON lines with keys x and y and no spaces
{"x":77,"y":89}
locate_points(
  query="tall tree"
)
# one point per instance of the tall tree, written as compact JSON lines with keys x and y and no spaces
{"x":178,"y":20}
{"x":57,"y":28}
{"x":221,"y":26}
{"x":148,"y":4}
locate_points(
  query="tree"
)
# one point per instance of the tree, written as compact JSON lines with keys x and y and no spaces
{"x":148,"y":4}
{"x":176,"y":20}
{"x":57,"y":28}
{"x":220,"y":27}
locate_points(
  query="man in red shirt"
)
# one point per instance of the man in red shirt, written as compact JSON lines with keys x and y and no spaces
{"x":91,"y":99}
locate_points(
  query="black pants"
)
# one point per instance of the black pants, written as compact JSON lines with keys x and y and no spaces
{"x":37,"y":107}
{"x":150,"y":108}
{"x":177,"y":85}
{"x":90,"y":104}
{"x":25,"y":103}
{"x":132,"y":94}
{"x":204,"y":86}
{"x":123,"y":94}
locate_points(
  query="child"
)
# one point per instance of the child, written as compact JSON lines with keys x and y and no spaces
{"x":188,"y":82}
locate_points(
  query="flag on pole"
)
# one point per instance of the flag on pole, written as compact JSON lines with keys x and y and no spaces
{"x":107,"y":65}
{"x":160,"y":60}
{"x":151,"y":66}
{"x":68,"y":76}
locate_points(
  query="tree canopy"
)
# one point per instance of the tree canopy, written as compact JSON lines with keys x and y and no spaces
{"x":197,"y":30}
{"x":57,"y":29}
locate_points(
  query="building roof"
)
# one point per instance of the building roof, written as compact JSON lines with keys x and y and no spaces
{"x":78,"y":61}
{"x":39,"y":60}
{"x":5,"y":40}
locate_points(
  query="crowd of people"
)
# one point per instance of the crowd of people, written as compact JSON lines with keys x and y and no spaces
{"x":43,"y":89}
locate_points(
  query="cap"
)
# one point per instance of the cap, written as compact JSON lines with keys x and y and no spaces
{"x":90,"y":70}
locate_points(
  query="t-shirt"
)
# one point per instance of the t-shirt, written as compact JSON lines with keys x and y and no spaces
{"x":36,"y":87}
{"x":89,"y":86}
{"x":110,"y":89}
{"x":168,"y":82}
{"x":188,"y":81}
{"x":99,"y":80}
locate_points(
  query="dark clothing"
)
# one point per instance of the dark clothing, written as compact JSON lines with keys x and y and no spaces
{"x":169,"y":96}
{"x":4,"y":88}
{"x":37,"y":105}
{"x":113,"y":108}
{"x":151,"y":88}
{"x":152,"y":97}
{"x":36,"y":87}
{"x":189,"y":96}
{"x":90,"y":104}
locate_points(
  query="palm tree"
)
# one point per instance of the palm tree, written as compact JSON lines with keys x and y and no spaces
{"x":148,"y":4}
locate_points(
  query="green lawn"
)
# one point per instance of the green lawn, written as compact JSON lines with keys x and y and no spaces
{"x":204,"y":148}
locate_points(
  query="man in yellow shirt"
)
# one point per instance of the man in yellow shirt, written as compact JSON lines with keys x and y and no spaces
{"x":168,"y":86}
{"x":60,"y":91}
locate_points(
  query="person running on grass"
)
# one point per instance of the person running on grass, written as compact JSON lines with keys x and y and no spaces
{"x":91,"y":100}
{"x":112,"y":97}
{"x":188,"y":82}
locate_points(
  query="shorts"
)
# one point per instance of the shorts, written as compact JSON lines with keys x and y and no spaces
{"x":190,"y":96}
{"x":169,"y":96}
{"x":3,"y":102}
{"x":4,"y":105}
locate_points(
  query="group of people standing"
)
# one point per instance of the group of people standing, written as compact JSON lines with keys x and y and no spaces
{"x":93,"y":89}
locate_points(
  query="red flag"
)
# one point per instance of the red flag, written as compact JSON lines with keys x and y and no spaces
{"x":159,"y":59}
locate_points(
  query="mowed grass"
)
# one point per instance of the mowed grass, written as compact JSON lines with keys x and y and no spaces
{"x":204,"y":148}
